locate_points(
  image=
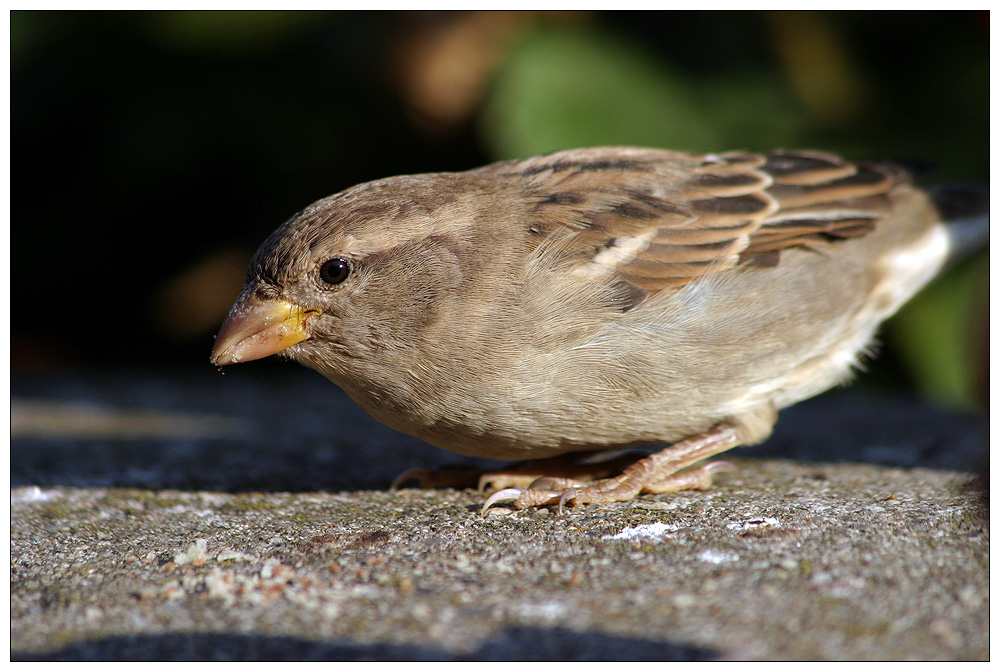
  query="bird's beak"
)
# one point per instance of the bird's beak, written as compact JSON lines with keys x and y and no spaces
{"x":257,"y":328}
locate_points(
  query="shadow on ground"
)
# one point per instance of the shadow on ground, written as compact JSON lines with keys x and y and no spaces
{"x":289,"y":430}
{"x":527,"y":644}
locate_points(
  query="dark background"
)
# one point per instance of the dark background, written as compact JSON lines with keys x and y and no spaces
{"x":151,"y":152}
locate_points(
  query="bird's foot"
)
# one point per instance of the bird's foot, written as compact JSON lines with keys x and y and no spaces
{"x":572,"y":467}
{"x":665,"y":471}
{"x":579,"y":466}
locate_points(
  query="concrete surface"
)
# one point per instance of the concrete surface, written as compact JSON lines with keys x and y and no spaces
{"x":186,"y":515}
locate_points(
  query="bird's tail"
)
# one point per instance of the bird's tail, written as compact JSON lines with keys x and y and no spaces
{"x":965,"y":208}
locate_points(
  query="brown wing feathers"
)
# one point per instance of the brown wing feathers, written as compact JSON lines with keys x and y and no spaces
{"x":822,"y":198}
{"x":659,"y":220}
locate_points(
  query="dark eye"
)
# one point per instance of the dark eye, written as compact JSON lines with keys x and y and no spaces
{"x":335,"y":271}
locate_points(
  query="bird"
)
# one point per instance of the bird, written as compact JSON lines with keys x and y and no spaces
{"x":541,"y":309}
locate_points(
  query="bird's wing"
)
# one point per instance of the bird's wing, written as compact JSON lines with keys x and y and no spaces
{"x":658,"y":220}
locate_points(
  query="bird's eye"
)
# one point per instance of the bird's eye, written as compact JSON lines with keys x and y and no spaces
{"x":335,"y":271}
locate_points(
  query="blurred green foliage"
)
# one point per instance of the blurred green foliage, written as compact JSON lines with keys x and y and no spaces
{"x":144,"y":143}
{"x":565,"y":87}
{"x":942,"y":336}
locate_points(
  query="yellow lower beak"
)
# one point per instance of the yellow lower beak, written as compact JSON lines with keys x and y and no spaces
{"x":257,"y":328}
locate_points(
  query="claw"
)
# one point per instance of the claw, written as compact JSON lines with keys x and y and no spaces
{"x":544,"y":483}
{"x":418,"y":474}
{"x":567,"y":496}
{"x":508,"y":495}
{"x":484,"y":481}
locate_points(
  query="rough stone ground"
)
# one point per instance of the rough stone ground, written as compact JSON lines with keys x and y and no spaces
{"x":186,"y":515}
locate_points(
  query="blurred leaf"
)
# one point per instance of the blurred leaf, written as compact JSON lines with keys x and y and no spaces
{"x":564,"y":87}
{"x":935,"y":334}
{"x":752,"y":110}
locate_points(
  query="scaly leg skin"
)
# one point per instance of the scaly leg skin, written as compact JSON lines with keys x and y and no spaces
{"x":571,"y":468}
{"x":522,"y":474}
{"x":655,"y":474}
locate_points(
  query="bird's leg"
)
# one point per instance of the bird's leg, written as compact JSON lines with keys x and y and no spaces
{"x":660,"y":472}
{"x":573,"y":467}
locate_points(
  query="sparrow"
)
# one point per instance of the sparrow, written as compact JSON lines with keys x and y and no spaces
{"x":596,"y":299}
